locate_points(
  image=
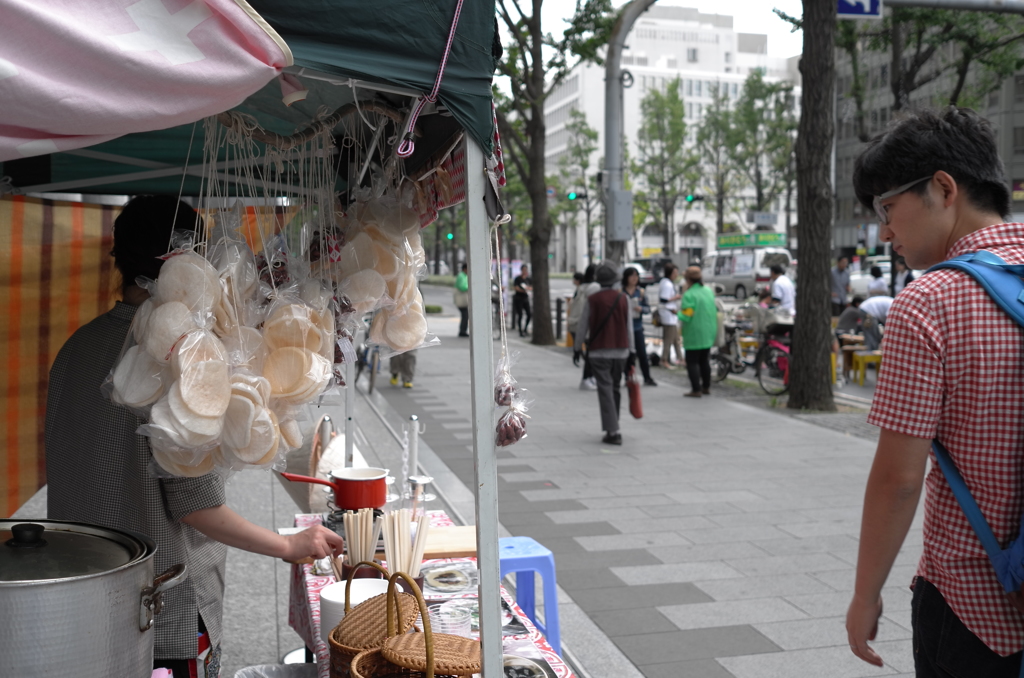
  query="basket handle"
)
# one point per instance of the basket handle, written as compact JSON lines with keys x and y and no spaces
{"x":428,"y":635}
{"x":352,"y":574}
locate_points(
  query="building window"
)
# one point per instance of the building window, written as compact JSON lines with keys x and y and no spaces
{"x":672,"y":63}
{"x":993,"y":98}
{"x":627,"y":60}
{"x":641,"y":61}
{"x":689,"y":88}
{"x":691,"y":54}
{"x":728,"y":57}
{"x":707,"y":88}
{"x":734,"y":90}
{"x":1018,"y":140}
{"x":689,"y":110}
{"x":696,"y":88}
{"x":1018,"y":88}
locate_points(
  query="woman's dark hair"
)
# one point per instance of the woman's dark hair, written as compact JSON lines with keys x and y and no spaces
{"x":957,"y":141}
{"x":777,"y":269}
{"x":142,"y":233}
{"x":876,"y":271}
{"x":667,"y":271}
{"x":628,"y":271}
{"x":577,"y":276}
{"x":588,"y":275}
{"x":856,"y":301}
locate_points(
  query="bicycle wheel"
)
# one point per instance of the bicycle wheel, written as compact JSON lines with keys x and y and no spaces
{"x":721,"y":366}
{"x":773,"y":370}
{"x":374,"y":369}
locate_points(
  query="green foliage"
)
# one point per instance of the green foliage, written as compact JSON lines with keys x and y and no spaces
{"x":575,"y":175}
{"x":666,"y":167}
{"x":763,"y":137}
{"x":721,"y":178}
{"x":968,"y":53}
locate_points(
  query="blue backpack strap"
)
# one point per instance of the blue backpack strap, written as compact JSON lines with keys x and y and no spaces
{"x":1001,"y":280}
{"x":971,"y":509}
{"x":1003,"y":283}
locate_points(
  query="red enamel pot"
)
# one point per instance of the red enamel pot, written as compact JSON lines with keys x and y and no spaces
{"x":354,"y":488}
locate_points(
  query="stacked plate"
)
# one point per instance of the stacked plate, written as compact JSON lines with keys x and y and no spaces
{"x":332,"y":600}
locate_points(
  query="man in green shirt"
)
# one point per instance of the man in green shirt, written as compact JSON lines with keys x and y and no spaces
{"x":461,"y":298}
{"x":699,"y":318}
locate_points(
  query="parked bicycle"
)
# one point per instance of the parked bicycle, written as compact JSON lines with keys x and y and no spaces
{"x":771,"y":359}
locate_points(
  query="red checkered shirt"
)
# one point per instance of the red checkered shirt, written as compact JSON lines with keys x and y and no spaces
{"x":954,"y":369}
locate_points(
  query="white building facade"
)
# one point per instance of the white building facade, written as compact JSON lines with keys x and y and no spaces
{"x":666,"y":43}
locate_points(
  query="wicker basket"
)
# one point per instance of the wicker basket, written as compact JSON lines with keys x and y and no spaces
{"x":416,"y":655}
{"x":365,"y":626}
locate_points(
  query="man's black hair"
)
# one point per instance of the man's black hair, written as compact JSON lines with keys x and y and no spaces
{"x":876,"y":271}
{"x":577,"y":276}
{"x":856,"y":301}
{"x":142,"y":233}
{"x":588,"y":274}
{"x":957,"y":141}
{"x":667,"y":270}
{"x":777,"y":269}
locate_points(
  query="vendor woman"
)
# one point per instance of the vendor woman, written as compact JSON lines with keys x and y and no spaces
{"x":98,"y":467}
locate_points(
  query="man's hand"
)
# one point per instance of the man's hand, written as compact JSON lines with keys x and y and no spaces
{"x":630,"y":362}
{"x":576,"y":357}
{"x":862,"y":626}
{"x":313,"y":542}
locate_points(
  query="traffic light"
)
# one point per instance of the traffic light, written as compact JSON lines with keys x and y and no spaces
{"x":450,"y":236}
{"x":572,"y":195}
{"x":691,"y":197}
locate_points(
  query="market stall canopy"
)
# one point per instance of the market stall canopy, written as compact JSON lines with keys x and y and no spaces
{"x":341,"y":49}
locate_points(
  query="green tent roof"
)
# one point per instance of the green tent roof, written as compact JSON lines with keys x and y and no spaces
{"x":394,"y":44}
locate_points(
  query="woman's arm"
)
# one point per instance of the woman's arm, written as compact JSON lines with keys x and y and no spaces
{"x":222,"y":524}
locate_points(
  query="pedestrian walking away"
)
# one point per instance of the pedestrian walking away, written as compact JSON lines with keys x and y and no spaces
{"x":403,"y":366}
{"x":586,"y":287}
{"x":936,"y":184}
{"x":877,"y":286}
{"x":522,"y":286}
{"x":607,"y":328}
{"x":638,"y":305}
{"x":668,"y":314}
{"x":461,"y":299}
{"x":699,"y":317}
{"x":840,"y":279}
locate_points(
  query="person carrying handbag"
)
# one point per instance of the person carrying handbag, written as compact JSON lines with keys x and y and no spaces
{"x":606,"y":327}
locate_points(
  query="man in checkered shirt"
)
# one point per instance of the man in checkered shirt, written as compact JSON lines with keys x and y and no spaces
{"x":98,"y":467}
{"x":953,"y":370}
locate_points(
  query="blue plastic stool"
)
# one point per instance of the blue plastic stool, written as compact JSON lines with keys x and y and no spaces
{"x":523,"y":554}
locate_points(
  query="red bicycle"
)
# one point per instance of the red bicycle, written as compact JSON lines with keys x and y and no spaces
{"x":771,"y":364}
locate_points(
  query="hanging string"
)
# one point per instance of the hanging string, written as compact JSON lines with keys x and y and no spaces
{"x":496,"y":242}
{"x":408,"y":145}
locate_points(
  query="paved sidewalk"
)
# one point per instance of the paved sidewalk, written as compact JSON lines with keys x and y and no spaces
{"x":719,"y":540}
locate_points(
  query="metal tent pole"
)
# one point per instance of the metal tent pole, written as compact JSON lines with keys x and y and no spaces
{"x":482,"y":375}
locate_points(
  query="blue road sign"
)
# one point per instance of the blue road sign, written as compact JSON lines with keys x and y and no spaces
{"x":860,"y":9}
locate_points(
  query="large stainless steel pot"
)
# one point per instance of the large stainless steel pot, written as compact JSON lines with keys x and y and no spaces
{"x":77,"y":600}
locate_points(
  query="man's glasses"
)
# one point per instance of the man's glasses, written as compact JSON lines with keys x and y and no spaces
{"x":881,"y":210}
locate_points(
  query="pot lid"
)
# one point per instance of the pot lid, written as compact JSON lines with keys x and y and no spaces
{"x":43,"y":550}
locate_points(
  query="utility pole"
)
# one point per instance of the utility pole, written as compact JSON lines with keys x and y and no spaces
{"x":618,"y":202}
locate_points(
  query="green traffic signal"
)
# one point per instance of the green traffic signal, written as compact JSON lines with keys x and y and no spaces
{"x":689,"y":198}
{"x":451,"y":236}
{"x":572,"y":195}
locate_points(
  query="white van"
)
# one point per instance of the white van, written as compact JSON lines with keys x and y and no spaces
{"x":742,"y":270}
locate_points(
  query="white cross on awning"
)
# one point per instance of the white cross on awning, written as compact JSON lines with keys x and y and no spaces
{"x":161,"y":31}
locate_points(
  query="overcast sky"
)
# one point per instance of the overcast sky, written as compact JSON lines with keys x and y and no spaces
{"x":749,"y":16}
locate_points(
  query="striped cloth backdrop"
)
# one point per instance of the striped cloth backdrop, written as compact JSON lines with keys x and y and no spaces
{"x":56,"y":274}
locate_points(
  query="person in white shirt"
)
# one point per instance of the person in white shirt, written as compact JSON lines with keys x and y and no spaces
{"x":876,"y":308}
{"x":877,"y":286}
{"x":782,"y":289}
{"x":668,"y":313}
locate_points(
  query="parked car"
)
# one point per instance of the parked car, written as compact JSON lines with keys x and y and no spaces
{"x":741,"y":271}
{"x":646,"y":277}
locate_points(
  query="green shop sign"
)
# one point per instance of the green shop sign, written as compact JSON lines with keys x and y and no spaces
{"x":734,"y":240}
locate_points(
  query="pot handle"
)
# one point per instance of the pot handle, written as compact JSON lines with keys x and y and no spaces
{"x":294,"y":477}
{"x":152,"y":601}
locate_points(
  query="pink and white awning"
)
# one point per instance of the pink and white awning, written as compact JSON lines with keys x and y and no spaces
{"x":74,"y":73}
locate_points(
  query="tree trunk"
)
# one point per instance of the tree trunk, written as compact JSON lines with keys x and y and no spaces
{"x":809,"y":380}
